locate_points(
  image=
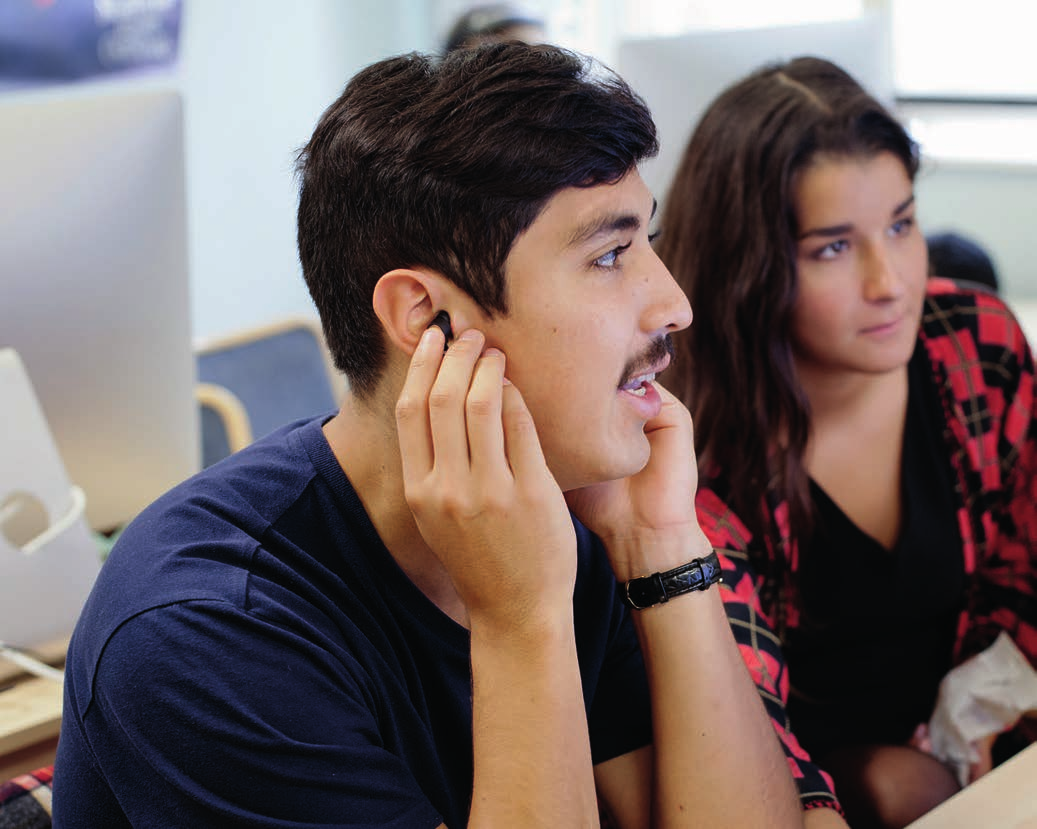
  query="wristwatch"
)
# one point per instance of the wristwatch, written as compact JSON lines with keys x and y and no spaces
{"x":699,"y":574}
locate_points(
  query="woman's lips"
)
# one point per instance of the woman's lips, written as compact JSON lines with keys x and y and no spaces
{"x":883,"y":328}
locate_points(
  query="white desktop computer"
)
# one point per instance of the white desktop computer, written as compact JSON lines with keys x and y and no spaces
{"x":94,"y":284}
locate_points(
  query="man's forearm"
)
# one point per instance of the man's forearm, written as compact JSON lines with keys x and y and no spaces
{"x":717,"y":759}
{"x":531,"y":746}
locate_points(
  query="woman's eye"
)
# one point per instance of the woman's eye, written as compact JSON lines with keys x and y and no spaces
{"x":832,"y":249}
{"x":902,"y":227}
{"x":611,"y":259}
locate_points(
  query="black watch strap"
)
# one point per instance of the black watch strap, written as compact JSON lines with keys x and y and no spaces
{"x":698,"y":574}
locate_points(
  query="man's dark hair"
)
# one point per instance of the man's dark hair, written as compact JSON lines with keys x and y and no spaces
{"x":443,"y":164}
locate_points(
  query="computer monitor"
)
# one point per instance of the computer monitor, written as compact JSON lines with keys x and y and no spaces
{"x":94,"y":284}
{"x":680,"y":76}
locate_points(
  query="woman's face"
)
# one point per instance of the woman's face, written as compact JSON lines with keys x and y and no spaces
{"x":861,"y":265}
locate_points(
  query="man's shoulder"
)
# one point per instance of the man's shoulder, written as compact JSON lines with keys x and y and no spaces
{"x":262,"y":540}
{"x":200,"y":540}
{"x":232,"y":501}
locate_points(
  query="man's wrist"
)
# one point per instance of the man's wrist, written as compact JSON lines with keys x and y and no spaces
{"x":638,"y":555}
{"x":659,"y":588}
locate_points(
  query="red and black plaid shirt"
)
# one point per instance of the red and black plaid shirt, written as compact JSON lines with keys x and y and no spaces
{"x":985,"y":375}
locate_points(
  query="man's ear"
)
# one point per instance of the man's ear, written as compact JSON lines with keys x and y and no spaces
{"x":405,"y":302}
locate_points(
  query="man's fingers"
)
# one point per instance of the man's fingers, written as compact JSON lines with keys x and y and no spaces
{"x":446,"y":403}
{"x":521,"y":442}
{"x":412,"y":420}
{"x":458,"y":417}
{"x":483,"y":416}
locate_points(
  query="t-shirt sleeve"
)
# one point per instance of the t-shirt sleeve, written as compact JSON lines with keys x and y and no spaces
{"x":210,"y":716}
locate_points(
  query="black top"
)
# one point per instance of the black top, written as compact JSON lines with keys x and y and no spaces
{"x":878,"y":625}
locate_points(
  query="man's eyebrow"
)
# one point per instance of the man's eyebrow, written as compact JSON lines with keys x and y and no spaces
{"x":839,"y":230}
{"x":605,"y":224}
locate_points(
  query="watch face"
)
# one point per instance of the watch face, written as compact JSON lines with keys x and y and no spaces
{"x":644,"y":592}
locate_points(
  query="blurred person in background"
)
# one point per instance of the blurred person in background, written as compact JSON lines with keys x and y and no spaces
{"x":491,"y":22}
{"x":953,"y":255}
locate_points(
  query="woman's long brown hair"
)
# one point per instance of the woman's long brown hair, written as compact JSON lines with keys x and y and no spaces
{"x":729,"y":238}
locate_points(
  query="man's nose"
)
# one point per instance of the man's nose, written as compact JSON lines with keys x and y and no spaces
{"x":669,"y":309}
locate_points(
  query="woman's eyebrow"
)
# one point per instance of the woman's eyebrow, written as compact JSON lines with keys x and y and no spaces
{"x":904,"y":205}
{"x":839,"y":230}
{"x":832,"y":230}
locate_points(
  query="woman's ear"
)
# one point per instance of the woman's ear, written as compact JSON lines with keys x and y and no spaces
{"x":405,"y":302}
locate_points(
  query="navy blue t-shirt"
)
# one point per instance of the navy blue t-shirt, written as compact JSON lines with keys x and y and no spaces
{"x":252,"y":655}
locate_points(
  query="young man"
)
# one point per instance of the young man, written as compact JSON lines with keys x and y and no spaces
{"x":388,"y":617}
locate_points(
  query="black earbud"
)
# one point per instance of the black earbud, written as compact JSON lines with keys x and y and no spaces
{"x":442,"y":319}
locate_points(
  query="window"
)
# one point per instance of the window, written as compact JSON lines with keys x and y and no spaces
{"x":942,"y":50}
{"x":963,"y":50}
{"x":659,"y":17}
{"x":596,"y":26}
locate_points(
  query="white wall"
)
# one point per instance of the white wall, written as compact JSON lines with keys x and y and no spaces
{"x":979,"y":176}
{"x":994,"y":204}
{"x":256,"y":75}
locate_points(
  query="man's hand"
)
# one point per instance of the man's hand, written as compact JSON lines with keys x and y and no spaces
{"x":654,"y":509}
{"x":716,"y":760}
{"x":476,"y":480}
{"x":490,"y":510}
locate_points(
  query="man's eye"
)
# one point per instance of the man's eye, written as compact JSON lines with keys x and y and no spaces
{"x":611,"y":259}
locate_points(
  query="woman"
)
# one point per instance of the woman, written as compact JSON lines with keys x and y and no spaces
{"x":866,"y":436}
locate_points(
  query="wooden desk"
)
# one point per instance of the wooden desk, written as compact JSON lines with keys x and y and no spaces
{"x":30,"y":718}
{"x":1005,"y":798}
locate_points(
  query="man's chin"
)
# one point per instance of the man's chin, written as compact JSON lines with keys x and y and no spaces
{"x":614,"y":468}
